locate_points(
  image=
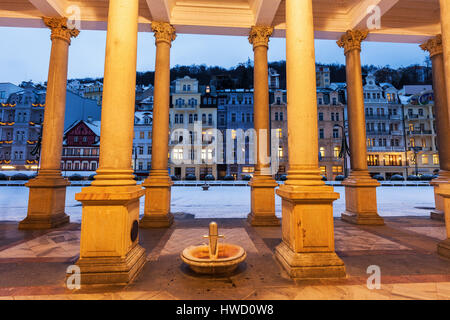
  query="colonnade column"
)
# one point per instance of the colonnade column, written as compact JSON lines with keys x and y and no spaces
{"x":158,"y":184}
{"x":443,"y":189}
{"x":434,"y":47}
{"x":262,"y":184}
{"x":110,"y":250}
{"x":47,"y":198}
{"x":360,"y":188}
{"x":307,"y":248}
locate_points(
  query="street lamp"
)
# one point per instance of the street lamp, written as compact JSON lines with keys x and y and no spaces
{"x":345,"y":150}
{"x":416,"y":152}
{"x":37,"y":148}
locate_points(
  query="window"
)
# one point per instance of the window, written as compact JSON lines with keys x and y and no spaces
{"x":332,"y":116}
{"x":280,"y":152}
{"x":336,"y":152}
{"x":424,"y":159}
{"x":280,"y":133}
{"x":85,"y":140}
{"x":233,"y":117}
{"x":210,"y":119}
{"x":322,"y":152}
{"x":276,"y":116}
{"x":335,"y":133}
{"x":435,"y":159}
{"x":323,"y":170}
{"x":195,"y":117}
{"x":204,"y":118}
{"x":320,"y":116}
{"x":222,"y":119}
{"x":337,"y":116}
{"x":321,"y":134}
{"x":141,"y":150}
{"x":337,"y":169}
{"x":191,"y":119}
{"x":181,"y":118}
{"x":281,"y":116}
{"x":176,"y":118}
{"x":149,"y":150}
{"x":142,"y":134}
{"x":75,"y":139}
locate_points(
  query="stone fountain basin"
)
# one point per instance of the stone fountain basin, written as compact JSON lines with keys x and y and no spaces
{"x":197,"y":257}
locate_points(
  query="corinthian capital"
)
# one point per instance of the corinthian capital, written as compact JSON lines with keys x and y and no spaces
{"x":59,"y":28}
{"x":352,"y":39}
{"x":433,"y":46}
{"x":163,"y":32}
{"x":259,"y":36}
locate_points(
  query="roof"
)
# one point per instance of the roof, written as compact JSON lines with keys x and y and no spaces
{"x":410,"y":21}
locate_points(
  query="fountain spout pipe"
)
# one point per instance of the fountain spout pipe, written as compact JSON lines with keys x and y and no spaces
{"x":213,"y":238}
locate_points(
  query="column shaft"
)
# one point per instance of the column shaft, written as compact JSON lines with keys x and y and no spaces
{"x":444,"y":188}
{"x":109,"y":249}
{"x":46,"y":204}
{"x":434,"y":47}
{"x":307,"y":248}
{"x":262,"y":184}
{"x":158,"y":184}
{"x":360,"y":188}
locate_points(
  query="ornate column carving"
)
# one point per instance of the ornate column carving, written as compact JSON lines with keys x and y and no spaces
{"x":158,"y":185}
{"x":46,"y":204}
{"x":260,"y":36}
{"x":434,"y":47}
{"x":360,"y":188}
{"x":262,"y":184}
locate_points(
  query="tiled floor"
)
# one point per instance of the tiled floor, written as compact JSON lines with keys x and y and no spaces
{"x":33,"y":264}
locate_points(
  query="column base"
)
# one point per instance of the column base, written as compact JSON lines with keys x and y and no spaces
{"x":157,"y":200}
{"x":112,"y":270}
{"x":109,"y":246}
{"x":443,"y":179}
{"x":307,"y":250}
{"x":437,"y":215}
{"x":361,"y":200}
{"x":156,"y":221}
{"x":46,"y":203}
{"x":360,"y":219}
{"x":443,"y":248}
{"x":311,"y":265}
{"x":263,"y":221}
{"x":263,"y":202}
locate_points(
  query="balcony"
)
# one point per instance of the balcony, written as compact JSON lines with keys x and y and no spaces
{"x":419,"y":132}
{"x":377,"y":117}
{"x":386,"y":149}
{"x":378,"y":132}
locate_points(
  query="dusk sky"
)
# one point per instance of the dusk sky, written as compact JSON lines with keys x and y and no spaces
{"x":25,"y":53}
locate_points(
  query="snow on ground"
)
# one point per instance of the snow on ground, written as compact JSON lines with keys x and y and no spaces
{"x":228,"y":202}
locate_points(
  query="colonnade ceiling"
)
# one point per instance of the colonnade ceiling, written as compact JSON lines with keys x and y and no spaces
{"x":400,"y":20}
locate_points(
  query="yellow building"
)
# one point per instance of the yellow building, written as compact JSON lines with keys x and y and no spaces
{"x":195,"y":114}
{"x":420,"y":134}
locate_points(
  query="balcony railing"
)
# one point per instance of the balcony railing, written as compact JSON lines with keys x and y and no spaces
{"x":419,"y":132}
{"x":377,"y":117}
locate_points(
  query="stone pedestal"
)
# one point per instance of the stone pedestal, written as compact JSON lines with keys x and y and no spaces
{"x":443,"y":247}
{"x":361,"y":200}
{"x":157,"y":200}
{"x":109,"y":249}
{"x":46,"y":203}
{"x":263,"y":202}
{"x":307,"y":250}
{"x":438,"y":212}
